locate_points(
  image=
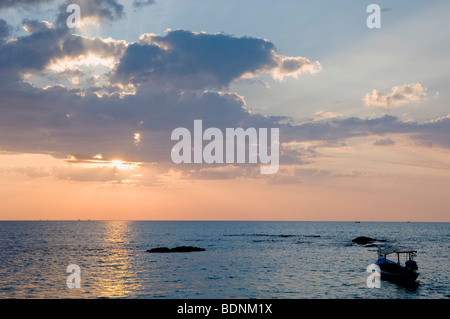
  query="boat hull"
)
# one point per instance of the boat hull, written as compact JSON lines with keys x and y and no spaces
{"x":394,"y":272}
{"x":407,"y":276}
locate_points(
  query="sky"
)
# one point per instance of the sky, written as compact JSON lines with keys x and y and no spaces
{"x":87,"y":113}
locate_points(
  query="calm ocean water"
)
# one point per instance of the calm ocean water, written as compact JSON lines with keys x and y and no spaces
{"x":242,"y":259}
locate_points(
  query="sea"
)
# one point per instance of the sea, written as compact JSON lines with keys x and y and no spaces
{"x":242,"y":259}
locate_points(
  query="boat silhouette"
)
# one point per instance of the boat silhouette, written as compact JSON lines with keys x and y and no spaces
{"x":394,"y":271}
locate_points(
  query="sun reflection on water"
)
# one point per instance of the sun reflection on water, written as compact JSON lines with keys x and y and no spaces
{"x":115,"y":277}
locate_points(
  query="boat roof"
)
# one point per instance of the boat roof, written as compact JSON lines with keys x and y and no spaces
{"x":393,"y":250}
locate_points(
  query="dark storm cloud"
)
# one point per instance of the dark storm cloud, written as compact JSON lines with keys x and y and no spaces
{"x":173,"y":74}
{"x":45,"y":43}
{"x":59,"y":122}
{"x":195,"y":60}
{"x":32,"y":52}
{"x":186,"y":59}
{"x":5,"y":29}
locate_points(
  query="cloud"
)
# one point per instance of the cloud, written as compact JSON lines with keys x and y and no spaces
{"x":37,"y":122}
{"x":80,"y":174}
{"x":21,"y":3}
{"x":102,"y":174}
{"x":33,"y":52}
{"x":179,"y":60}
{"x":92,"y":10}
{"x":33,"y":172}
{"x":177,"y":78}
{"x":318,"y":173}
{"x":325,"y":115}
{"x":436,"y":133}
{"x":34,"y":26}
{"x":283,"y":179}
{"x":334,"y":132}
{"x":439,"y":119}
{"x":97,"y":9}
{"x":384,"y":142}
{"x":398,"y":96}
{"x":294,"y":66}
{"x":299,"y":175}
{"x":222,"y":172}
{"x":297,"y":153}
{"x":142,"y":3}
{"x":104,"y":9}
{"x":191,"y":60}
{"x":5,"y":30}
{"x":54,"y":54}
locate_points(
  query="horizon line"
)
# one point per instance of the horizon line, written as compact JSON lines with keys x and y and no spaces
{"x":218,"y":220}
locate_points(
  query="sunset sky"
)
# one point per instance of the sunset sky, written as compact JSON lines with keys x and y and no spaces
{"x":86,"y":114}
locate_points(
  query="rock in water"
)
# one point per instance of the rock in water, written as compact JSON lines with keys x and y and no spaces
{"x":180,"y":249}
{"x":364,"y":240}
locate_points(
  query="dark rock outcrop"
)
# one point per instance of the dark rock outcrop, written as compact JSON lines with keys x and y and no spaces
{"x":366,"y":240}
{"x":180,"y":249}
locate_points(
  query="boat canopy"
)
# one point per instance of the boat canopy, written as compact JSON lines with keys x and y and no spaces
{"x":393,"y":250}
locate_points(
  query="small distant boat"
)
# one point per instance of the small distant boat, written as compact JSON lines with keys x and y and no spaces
{"x":394,"y":271}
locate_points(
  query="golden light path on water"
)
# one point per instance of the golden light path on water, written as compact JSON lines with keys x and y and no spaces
{"x":116,"y":277}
